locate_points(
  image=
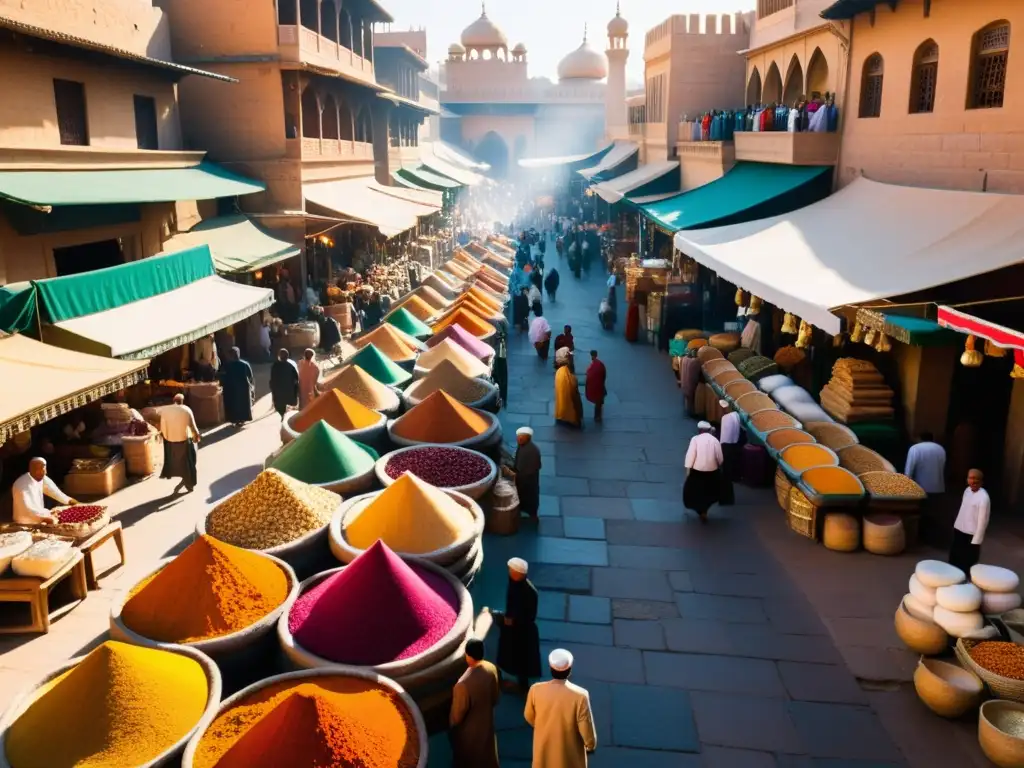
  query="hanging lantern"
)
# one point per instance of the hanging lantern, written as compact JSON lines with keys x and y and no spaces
{"x":789,"y":323}
{"x":869,"y":337}
{"x":755,"y":306}
{"x":740,"y":298}
{"x":883,"y":344}
{"x":994,"y":350}
{"x":857,"y":334}
{"x":971,"y":358}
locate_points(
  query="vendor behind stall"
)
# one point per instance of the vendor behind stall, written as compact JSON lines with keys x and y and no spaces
{"x":28,"y":492}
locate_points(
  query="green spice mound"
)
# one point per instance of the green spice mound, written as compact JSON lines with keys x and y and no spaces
{"x":322,"y":454}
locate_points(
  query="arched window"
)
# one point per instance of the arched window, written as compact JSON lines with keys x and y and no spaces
{"x":309,"y":14}
{"x":346,"y":125}
{"x":329,"y":20}
{"x":817,"y":75}
{"x":924,"y":78}
{"x":310,"y":114}
{"x":364,"y":126}
{"x":754,"y":88}
{"x":871,"y":86}
{"x":329,"y":121}
{"x":794,"y":90}
{"x":772,"y":93}
{"x":345,"y":29}
{"x":991,"y":50}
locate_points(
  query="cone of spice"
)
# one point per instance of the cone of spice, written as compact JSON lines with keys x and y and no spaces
{"x":322,"y":454}
{"x":447,"y":376}
{"x":353,"y":381}
{"x":337,"y":409}
{"x":464,"y":339}
{"x":431,"y":296}
{"x":408,"y":323}
{"x":210,"y":590}
{"x":386,"y":339}
{"x":484,"y":297}
{"x":420,"y":309}
{"x":440,"y":286}
{"x":448,"y":350}
{"x":121,"y":706}
{"x":377,"y":364}
{"x":469,"y":320}
{"x":411,"y":517}
{"x":471,"y":304}
{"x":397,"y":609}
{"x":327,"y":720}
{"x":441,"y":419}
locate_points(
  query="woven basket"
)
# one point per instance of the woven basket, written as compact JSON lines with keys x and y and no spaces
{"x":782,"y":488}
{"x":999,"y":723}
{"x":725,"y":342}
{"x":96,"y":484}
{"x":884,"y":535}
{"x":801,"y":515}
{"x":1002,"y":687}
{"x":841,"y":532}
{"x":80,"y":530}
{"x":142,"y":455}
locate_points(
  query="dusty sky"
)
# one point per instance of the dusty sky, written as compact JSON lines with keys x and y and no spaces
{"x":549,"y":28}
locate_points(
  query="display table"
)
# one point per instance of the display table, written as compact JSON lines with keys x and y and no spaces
{"x":36,"y":592}
{"x":89,"y":546}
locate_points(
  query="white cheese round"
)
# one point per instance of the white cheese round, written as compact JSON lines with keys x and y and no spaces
{"x":992,"y":578}
{"x":958,"y":624}
{"x":925,"y":595}
{"x":998,"y":603}
{"x":962,"y":598}
{"x":917,"y":609}
{"x":935,"y":573}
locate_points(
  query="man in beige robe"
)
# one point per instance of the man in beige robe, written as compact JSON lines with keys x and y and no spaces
{"x":474,"y":744}
{"x":562,"y":721}
{"x":309,"y":376}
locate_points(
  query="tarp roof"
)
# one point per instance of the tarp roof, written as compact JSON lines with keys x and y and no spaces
{"x":972,"y":323}
{"x":645,"y":176}
{"x":428,"y":197}
{"x":553,"y":162}
{"x":747,"y":187}
{"x":621,"y":152}
{"x":41,"y":382}
{"x":237,"y":244}
{"x":363,"y":199}
{"x":439,"y":164}
{"x":869,"y":241}
{"x":842,"y":10}
{"x":205,"y":181}
{"x":457,"y":157}
{"x":421,"y":176}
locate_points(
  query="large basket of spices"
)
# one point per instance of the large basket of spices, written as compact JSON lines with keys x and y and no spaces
{"x":999,"y":664}
{"x":860,"y":459}
{"x":277,"y":515}
{"x":353,"y":381}
{"x":447,"y":467}
{"x":119,"y":704}
{"x":754,"y":402}
{"x":79,"y":521}
{"x":777,"y":440}
{"x":314,"y":717}
{"x":795,"y":459}
{"x":416,"y":520}
{"x":470,"y":391}
{"x":757,"y":367}
{"x":737,"y":389}
{"x":142,"y":448}
{"x":411,"y":620}
{"x":213,"y":597}
{"x":714,"y":367}
{"x":441,"y":419}
{"x":345,"y":414}
{"x":834,"y":436}
{"x":892,"y":491}
{"x":325,"y":458}
{"x":763,"y":422}
{"x":821,"y":488}
{"x":398,"y":347}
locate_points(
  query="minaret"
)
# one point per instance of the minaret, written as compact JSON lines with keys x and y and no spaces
{"x":616,"y":115}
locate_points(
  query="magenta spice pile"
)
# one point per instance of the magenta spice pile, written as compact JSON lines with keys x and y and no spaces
{"x":442,"y":467}
{"x":376,"y":610}
{"x":81,"y":513}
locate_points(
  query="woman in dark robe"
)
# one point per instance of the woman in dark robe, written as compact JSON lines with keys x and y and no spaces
{"x":237,"y":380}
{"x":519,"y":640}
{"x":284,"y":383}
{"x":551,"y":283}
{"x":521,"y":310}
{"x":330,"y":333}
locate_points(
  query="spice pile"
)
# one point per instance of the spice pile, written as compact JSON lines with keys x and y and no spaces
{"x":411,"y":517}
{"x":396,"y":609}
{"x":831,"y":481}
{"x":420,"y":309}
{"x":322,"y":454}
{"x":860,"y":459}
{"x":315,"y":723}
{"x":227,"y":589}
{"x":363,"y":388}
{"x":806,"y":455}
{"x":1000,"y":658}
{"x":80,"y":513}
{"x":857,"y":392}
{"x":835,"y":436}
{"x":892,"y":485}
{"x":408,"y":323}
{"x":376,"y":363}
{"x":120,"y":707}
{"x":272,"y":510}
{"x":446,"y":375}
{"x":764,"y":421}
{"x":469,"y":320}
{"x":780,"y":438}
{"x":337,"y":409}
{"x":458,"y":356}
{"x":395,"y":345}
{"x":442,"y":467}
{"x":441,"y":419}
{"x":464,"y":339}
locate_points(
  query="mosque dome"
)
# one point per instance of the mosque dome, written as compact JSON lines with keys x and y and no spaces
{"x":520,"y":48}
{"x":585,"y":63}
{"x":456,"y":50}
{"x":483,"y":33}
{"x":618,"y":27}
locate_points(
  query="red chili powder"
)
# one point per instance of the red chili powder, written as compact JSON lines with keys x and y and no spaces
{"x":378,"y":609}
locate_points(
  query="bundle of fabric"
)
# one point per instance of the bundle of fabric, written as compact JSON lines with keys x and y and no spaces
{"x":857,"y":392}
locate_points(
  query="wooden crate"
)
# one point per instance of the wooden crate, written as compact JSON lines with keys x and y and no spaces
{"x":112,"y":478}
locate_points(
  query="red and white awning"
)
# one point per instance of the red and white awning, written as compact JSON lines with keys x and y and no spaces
{"x":999,"y":335}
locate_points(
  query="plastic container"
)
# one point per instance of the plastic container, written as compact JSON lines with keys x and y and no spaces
{"x":170,"y":756}
{"x":475,"y":491}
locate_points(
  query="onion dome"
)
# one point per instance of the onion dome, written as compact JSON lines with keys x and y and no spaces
{"x":618,"y":27}
{"x":483,"y":33}
{"x":520,"y":48}
{"x":456,"y":50}
{"x":585,"y":63}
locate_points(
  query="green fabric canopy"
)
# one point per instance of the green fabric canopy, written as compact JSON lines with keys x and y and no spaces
{"x":205,"y":181}
{"x":919,"y":331}
{"x":17,"y":307}
{"x":749,"y":191}
{"x":407,"y":322}
{"x":843,"y":10}
{"x":238,"y":245}
{"x":426,"y":178}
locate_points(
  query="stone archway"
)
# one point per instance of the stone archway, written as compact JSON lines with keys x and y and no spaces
{"x":794,"y":82}
{"x":817,"y":75}
{"x":754,"y":88}
{"x":493,"y":150}
{"x":772,"y":92}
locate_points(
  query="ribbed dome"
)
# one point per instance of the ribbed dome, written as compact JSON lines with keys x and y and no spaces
{"x":483,"y":33}
{"x":585,"y":63}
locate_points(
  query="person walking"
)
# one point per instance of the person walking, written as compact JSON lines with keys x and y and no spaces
{"x":284,"y":383}
{"x":237,"y":381}
{"x":730,"y":434}
{"x":595,"y":387}
{"x":926,"y":466}
{"x":181,"y":436}
{"x":471,"y":720}
{"x":971,"y":523}
{"x":702,"y":488}
{"x":519,"y":639}
{"x":526,"y":472}
{"x":568,"y":403}
{"x":309,"y":378}
{"x":551,"y":281}
{"x":521,"y":309}
{"x":540,"y":333}
{"x":561,"y":717}
{"x":565,"y":339}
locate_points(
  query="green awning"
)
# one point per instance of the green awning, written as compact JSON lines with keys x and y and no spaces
{"x":17,"y":307}
{"x":843,"y":10}
{"x":919,"y":331}
{"x":422,"y":176}
{"x":205,"y":181}
{"x":404,"y":182}
{"x":749,"y":191}
{"x":237,"y":244}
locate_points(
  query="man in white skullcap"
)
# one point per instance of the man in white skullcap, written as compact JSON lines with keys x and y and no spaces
{"x":519,"y":641}
{"x":561,"y":717}
{"x":703,"y":472}
{"x":28,"y":491}
{"x":730,"y":435}
{"x":526,"y":472}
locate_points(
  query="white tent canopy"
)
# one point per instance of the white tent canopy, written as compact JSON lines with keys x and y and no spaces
{"x":868,"y":241}
{"x":616,"y":189}
{"x":622,"y":151}
{"x":393,"y":210}
{"x":439,"y":158}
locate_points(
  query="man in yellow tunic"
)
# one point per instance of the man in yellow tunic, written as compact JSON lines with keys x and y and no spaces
{"x":568,"y":403}
{"x":561,"y":717}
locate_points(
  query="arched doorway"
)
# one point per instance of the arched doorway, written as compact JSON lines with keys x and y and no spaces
{"x":817,"y":75}
{"x":493,"y":150}
{"x":772,"y":92}
{"x":754,"y":88}
{"x":329,"y":20}
{"x":310,"y":114}
{"x":794,"y":82}
{"x":329,"y":119}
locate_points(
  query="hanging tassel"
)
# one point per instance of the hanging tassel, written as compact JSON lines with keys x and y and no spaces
{"x":971,"y":358}
{"x":1017,"y":372}
{"x":883,"y":344}
{"x":994,"y":350}
{"x":789,"y":323}
{"x":869,"y":337}
{"x":857,"y":334}
{"x":755,"y":306}
{"x":803,"y":339}
{"x":740,"y":299}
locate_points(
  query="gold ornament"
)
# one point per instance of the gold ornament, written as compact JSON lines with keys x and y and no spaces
{"x":869,"y":337}
{"x":755,"y":305}
{"x":857,"y":335}
{"x":971,"y":358}
{"x":1017,"y":372}
{"x":789,"y":323}
{"x":883,"y":344}
{"x":994,"y":350}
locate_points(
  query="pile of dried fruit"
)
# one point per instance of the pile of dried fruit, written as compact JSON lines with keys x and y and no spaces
{"x":80,"y":513}
{"x":443,"y":467}
{"x":1000,"y":658}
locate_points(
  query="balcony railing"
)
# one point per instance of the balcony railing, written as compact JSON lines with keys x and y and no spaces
{"x":328,"y":149}
{"x":807,"y":148}
{"x":301,"y":45}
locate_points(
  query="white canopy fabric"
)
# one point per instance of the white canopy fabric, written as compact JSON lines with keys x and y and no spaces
{"x":616,"y":189}
{"x":391,"y":209}
{"x":429,"y":197}
{"x":868,"y":241}
{"x":457,"y":157}
{"x":552,"y":162}
{"x":623,"y":150}
{"x":433,"y":157}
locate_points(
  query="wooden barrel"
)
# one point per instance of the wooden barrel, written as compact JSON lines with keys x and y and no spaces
{"x":884,"y":534}
{"x":782,"y":488}
{"x":842,"y":532}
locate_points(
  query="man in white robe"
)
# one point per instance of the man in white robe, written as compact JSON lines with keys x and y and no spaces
{"x":562,"y":721}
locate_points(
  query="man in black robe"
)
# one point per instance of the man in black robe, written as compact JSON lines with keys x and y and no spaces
{"x":519,"y":641}
{"x":526,"y":472}
{"x":284,"y":383}
{"x":237,"y":380}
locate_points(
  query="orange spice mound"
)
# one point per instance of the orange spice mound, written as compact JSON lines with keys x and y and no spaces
{"x":482,"y":297}
{"x":210,"y":590}
{"x":342,"y":412}
{"x":441,"y":419}
{"x":474,"y":305}
{"x":325,"y":722}
{"x":469,"y":320}
{"x":390,"y":341}
{"x":419,"y":308}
